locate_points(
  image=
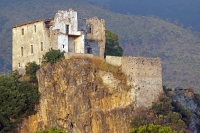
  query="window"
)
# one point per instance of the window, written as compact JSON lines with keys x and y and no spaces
{"x":41,"y":47}
{"x":89,"y":50}
{"x":63,"y":46}
{"x":19,"y":65}
{"x":23,"y":31}
{"x":39,"y":60}
{"x":89,"y":28}
{"x":31,"y":48}
{"x":67,"y":29}
{"x":22,"y":51}
{"x":35,"y":28}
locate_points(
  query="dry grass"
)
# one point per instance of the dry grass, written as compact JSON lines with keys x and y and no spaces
{"x":104,"y":66}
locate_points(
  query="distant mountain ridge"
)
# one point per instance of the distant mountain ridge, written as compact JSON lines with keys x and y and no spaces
{"x":147,"y":36}
{"x":185,"y":11}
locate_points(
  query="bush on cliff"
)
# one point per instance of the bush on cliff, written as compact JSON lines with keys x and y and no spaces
{"x":31,"y":70}
{"x":151,"y":128}
{"x":52,"y":130}
{"x":17,"y":100}
{"x":53,"y":56}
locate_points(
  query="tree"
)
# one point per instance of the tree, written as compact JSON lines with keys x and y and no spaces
{"x":17,"y":100}
{"x":112,"y":45}
{"x":53,"y":56}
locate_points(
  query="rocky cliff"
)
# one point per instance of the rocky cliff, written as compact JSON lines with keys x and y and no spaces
{"x":83,"y":95}
{"x":187,"y":100}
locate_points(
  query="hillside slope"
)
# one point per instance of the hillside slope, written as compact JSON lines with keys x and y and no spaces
{"x":187,"y":12}
{"x":139,"y":36}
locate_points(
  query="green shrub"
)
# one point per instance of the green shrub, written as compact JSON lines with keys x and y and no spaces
{"x":151,"y":128}
{"x":164,"y":113}
{"x":52,"y":130}
{"x":53,"y":56}
{"x":31,"y":70}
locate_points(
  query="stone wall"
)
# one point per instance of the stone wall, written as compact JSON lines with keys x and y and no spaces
{"x":144,"y":75}
{"x":69,"y":55}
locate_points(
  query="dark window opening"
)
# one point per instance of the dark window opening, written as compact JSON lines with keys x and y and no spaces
{"x":22,"y":31}
{"x":63,"y":46}
{"x":19,"y":65}
{"x":35,"y":28}
{"x":89,"y":28}
{"x":67,"y":29}
{"x":22,"y":51}
{"x":89,"y":50}
{"x":48,"y":23}
{"x":31,"y":48}
{"x":41,"y":46}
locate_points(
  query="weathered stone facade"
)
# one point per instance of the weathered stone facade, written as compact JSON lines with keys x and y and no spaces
{"x":97,"y":33}
{"x":32,"y":40}
{"x":144,"y":75}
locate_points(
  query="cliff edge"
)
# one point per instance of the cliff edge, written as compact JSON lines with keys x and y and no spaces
{"x":83,"y":95}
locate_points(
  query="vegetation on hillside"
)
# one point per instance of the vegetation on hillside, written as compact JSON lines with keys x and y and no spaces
{"x":151,"y":128}
{"x":164,"y":112}
{"x":17,"y":101}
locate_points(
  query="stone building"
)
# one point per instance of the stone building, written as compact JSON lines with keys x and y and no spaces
{"x":65,"y":32}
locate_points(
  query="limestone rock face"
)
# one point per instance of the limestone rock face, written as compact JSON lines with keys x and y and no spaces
{"x":80,"y":98}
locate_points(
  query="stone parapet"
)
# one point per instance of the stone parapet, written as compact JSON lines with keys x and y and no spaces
{"x":69,"y":55}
